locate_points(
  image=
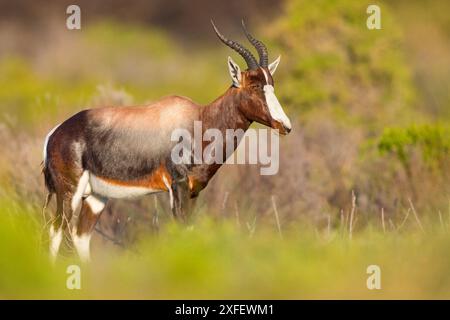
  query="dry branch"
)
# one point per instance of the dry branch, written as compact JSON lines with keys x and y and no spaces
{"x":415,"y":215}
{"x":352,"y":214}
{"x":274,"y":205}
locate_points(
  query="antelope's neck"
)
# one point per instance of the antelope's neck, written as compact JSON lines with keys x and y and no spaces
{"x":224,"y":113}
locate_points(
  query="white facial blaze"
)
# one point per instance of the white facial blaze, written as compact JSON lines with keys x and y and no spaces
{"x":275,"y":109}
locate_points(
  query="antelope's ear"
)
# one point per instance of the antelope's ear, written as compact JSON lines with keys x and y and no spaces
{"x":273,"y":66}
{"x":235,"y":72}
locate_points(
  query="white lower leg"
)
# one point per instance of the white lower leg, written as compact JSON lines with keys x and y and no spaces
{"x":55,"y":242}
{"x":82,"y":243}
{"x":169,"y":188}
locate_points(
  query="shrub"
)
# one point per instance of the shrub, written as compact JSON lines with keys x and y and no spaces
{"x":431,"y":141}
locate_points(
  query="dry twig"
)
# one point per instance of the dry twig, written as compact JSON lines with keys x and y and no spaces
{"x":416,"y":216}
{"x":276,"y":216}
{"x":352,"y":214}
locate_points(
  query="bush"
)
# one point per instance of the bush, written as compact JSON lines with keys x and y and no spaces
{"x":333,"y":64}
{"x":432,"y":141}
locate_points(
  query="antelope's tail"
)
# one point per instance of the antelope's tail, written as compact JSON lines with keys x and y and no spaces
{"x":49,"y":185}
{"x":48,"y":180}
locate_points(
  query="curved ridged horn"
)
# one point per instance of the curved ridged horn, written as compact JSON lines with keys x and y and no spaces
{"x":259,"y":46}
{"x":244,"y":52}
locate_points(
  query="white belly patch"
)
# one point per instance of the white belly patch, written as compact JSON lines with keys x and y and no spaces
{"x":110,"y":190}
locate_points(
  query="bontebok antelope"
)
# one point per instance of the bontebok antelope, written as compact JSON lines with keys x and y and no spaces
{"x":123,"y":152}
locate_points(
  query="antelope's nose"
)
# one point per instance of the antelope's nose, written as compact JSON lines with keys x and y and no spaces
{"x":287,"y":129}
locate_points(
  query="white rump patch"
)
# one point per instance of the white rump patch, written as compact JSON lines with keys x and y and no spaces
{"x":47,"y":137}
{"x":110,"y":190}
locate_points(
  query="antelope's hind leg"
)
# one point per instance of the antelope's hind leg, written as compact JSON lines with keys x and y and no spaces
{"x":68,"y":199}
{"x":56,"y":229}
{"x":60,"y":221}
{"x":91,"y":209}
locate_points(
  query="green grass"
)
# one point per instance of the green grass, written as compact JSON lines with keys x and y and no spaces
{"x":216,"y":259}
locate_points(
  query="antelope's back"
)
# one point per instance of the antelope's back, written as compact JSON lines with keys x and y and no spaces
{"x":123,"y":143}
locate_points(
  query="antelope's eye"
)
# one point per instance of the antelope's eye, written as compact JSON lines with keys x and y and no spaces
{"x":258,"y":86}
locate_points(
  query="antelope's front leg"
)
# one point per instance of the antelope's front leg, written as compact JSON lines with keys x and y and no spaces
{"x":179,"y":197}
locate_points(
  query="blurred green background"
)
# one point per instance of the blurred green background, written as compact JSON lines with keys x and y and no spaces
{"x":363,"y":176}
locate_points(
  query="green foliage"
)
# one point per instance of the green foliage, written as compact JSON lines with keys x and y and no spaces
{"x":331,"y":60}
{"x":25,"y":271}
{"x":120,"y":39}
{"x":432,"y":141}
{"x":29,"y":97}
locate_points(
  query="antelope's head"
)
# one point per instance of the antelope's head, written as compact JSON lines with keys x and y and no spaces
{"x":256,"y":85}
